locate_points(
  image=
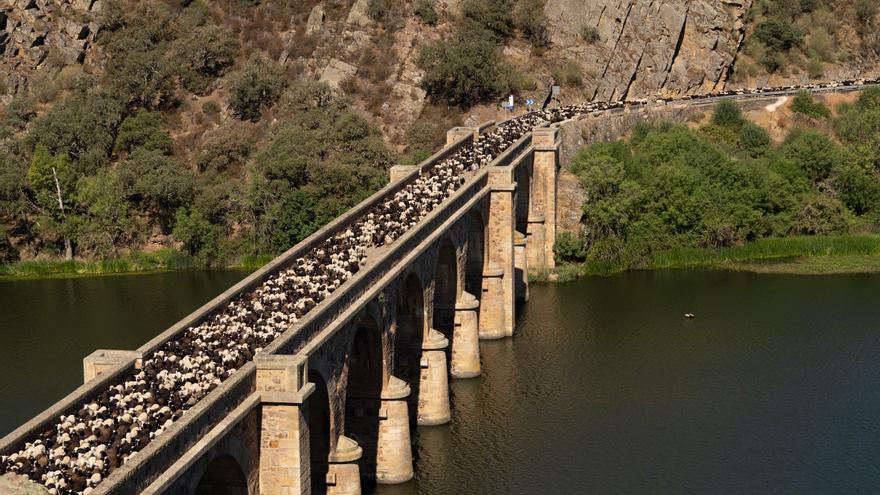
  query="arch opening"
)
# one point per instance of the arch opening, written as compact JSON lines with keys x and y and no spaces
{"x":318,"y":419}
{"x":224,"y":476}
{"x":523,"y":178}
{"x":365,"y":371}
{"x":445,"y":289}
{"x":408,"y":337}
{"x":476,"y":248}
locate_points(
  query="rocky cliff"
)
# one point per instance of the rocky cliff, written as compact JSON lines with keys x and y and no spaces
{"x":35,"y":34}
{"x":648,"y":46}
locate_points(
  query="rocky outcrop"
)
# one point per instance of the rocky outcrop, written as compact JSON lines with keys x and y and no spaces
{"x":646,"y":47}
{"x":34,"y":33}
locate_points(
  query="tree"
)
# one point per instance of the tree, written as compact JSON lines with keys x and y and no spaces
{"x":83,"y":126}
{"x":727,"y":114}
{"x":530,"y":18}
{"x":779,"y":34}
{"x":812,"y":152}
{"x":203,"y":54}
{"x":144,"y":129}
{"x":805,"y":104}
{"x":496,"y":16}
{"x":108,"y":221}
{"x":462,"y":70}
{"x":257,"y":85}
{"x":753,"y":139}
{"x":51,"y":179}
{"x":198,"y":236}
{"x":157,"y":182}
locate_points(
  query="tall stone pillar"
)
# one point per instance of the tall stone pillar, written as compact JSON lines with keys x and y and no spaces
{"x":103,"y":360}
{"x":521,"y":264}
{"x":497,"y":309}
{"x":543,"y":234}
{"x":285,"y":467}
{"x":535,"y":241}
{"x":394,"y":460}
{"x":491,"y":320}
{"x":465,"y":360}
{"x":433,"y":406}
{"x":344,"y":474}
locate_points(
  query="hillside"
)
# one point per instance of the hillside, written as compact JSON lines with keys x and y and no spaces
{"x":199,"y":126}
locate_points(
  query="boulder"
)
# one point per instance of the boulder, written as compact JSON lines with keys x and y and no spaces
{"x":316,"y":20}
{"x":336,"y":72}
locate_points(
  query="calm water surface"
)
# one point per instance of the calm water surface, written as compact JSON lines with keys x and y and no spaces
{"x":605,"y":388}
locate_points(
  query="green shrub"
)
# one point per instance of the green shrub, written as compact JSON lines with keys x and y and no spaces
{"x":18,"y":112}
{"x":805,"y":104}
{"x":529,"y":18}
{"x":779,"y":34}
{"x":569,"y":74}
{"x":590,"y":34}
{"x":256,"y":86}
{"x":226,"y":147}
{"x":496,"y":16}
{"x":813,"y":152}
{"x":203,"y":54}
{"x":754,"y":139}
{"x":820,"y":214}
{"x":569,"y":248}
{"x":462,"y":70}
{"x":727,"y":114}
{"x":144,"y":129}
{"x":377,"y":10}
{"x":425,"y":11}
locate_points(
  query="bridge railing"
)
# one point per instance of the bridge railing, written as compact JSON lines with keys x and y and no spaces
{"x":281,"y":262}
{"x":368,"y":280}
{"x":89,"y":391}
{"x":151,"y":461}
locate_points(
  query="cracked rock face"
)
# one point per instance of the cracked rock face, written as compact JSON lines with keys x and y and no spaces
{"x":33,"y":30}
{"x":650,"y":47}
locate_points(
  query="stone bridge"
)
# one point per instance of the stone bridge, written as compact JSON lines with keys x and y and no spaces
{"x":332,"y":400}
{"x":331,"y":403}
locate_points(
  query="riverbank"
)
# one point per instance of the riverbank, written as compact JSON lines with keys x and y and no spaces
{"x":806,"y":255}
{"x":158,"y":261}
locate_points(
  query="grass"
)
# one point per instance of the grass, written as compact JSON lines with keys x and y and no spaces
{"x":162,"y":260}
{"x":792,"y":255}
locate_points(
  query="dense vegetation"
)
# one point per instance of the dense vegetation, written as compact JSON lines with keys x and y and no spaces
{"x":466,"y":67}
{"x":95,"y":171}
{"x":794,"y":36}
{"x":672,"y":188}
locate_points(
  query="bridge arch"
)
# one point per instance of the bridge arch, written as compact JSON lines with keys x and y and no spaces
{"x":523,"y":205}
{"x":409,"y":334}
{"x":223,"y":476}
{"x":476,"y":254}
{"x":446,"y":288}
{"x":365,"y":377}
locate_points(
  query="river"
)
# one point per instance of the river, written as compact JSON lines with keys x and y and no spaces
{"x":605,"y":388}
